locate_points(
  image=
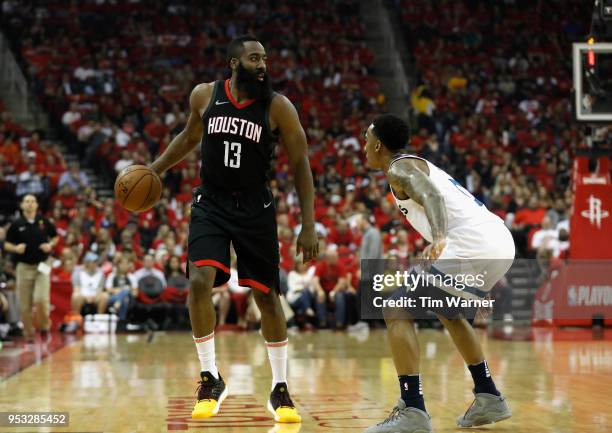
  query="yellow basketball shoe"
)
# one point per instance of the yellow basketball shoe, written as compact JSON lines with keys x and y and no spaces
{"x":281,"y":406}
{"x":211,"y":393}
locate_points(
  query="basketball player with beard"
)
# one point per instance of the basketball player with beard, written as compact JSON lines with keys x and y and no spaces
{"x":237,"y":122}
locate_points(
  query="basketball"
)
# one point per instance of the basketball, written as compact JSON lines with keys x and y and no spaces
{"x":137,"y":188}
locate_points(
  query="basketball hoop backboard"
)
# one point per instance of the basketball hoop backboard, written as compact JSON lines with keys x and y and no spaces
{"x":593,"y":82}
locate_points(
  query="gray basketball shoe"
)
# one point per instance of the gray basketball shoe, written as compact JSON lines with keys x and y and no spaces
{"x":485,"y":409}
{"x":403,"y":419}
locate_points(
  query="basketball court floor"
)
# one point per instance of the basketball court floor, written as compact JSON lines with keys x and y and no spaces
{"x":555,"y":381}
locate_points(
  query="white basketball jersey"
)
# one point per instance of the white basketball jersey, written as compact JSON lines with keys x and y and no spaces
{"x":462,"y":209}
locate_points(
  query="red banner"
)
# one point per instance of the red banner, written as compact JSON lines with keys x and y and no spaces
{"x":575,"y":294}
{"x":591,"y":219}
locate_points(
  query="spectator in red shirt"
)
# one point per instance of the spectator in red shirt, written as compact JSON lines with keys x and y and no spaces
{"x":526,"y":220}
{"x":154,"y":132}
{"x":342,"y":235}
{"x":332,"y":284}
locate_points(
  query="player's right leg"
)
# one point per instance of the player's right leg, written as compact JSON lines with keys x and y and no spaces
{"x":212,"y":389}
{"x":409,"y":415}
{"x":209,"y":260}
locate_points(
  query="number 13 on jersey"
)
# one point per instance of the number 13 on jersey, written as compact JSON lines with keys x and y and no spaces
{"x":232,"y":154}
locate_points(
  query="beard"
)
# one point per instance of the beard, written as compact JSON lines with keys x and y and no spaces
{"x":248,"y":83}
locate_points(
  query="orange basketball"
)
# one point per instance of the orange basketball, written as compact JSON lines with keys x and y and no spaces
{"x":138,"y":188}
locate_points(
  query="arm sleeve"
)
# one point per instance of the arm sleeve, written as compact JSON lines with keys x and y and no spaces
{"x":12,"y":235}
{"x":51,"y":231}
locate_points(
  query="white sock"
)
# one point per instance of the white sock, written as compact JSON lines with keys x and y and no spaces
{"x":277,"y":353}
{"x":206,"y":352}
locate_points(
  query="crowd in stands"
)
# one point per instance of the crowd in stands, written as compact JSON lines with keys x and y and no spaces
{"x":116,"y":77}
{"x":492,"y":101}
{"x":491,"y":106}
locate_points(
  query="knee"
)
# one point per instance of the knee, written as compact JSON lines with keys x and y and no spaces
{"x":452,"y":324}
{"x":201,"y":282}
{"x":266,"y":301}
{"x":395,"y":319}
{"x":445,"y":322}
{"x":389,"y":315}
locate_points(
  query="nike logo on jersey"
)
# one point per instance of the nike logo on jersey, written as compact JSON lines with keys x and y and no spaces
{"x":266,"y":206}
{"x":221,"y":103}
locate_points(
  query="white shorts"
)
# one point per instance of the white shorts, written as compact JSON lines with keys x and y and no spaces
{"x":481,"y":255}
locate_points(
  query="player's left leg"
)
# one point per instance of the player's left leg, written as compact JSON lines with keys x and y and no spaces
{"x":274,"y":330}
{"x":489,"y":405}
{"x":255,"y":241}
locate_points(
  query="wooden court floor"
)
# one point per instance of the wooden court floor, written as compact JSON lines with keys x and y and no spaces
{"x":341,"y":382}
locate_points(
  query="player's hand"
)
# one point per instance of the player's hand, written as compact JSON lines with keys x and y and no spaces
{"x":20,"y":249}
{"x":308,"y":243}
{"x":434,"y":250}
{"x":45,"y":248}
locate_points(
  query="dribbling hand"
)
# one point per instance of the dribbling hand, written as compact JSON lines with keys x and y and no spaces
{"x":308,"y":243}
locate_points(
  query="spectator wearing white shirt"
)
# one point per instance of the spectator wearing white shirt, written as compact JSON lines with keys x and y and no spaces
{"x":547,"y":237}
{"x":125,"y":161}
{"x":149,"y":269}
{"x":72,"y":115}
{"x":301,"y":294}
{"x":551,"y":239}
{"x":88,"y":284}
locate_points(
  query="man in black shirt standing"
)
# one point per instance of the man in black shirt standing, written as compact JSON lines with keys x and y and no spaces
{"x":30,"y":239}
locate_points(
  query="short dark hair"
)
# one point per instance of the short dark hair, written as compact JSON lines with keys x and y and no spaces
{"x":236,"y":46}
{"x":29,"y":195}
{"x":392,"y":130}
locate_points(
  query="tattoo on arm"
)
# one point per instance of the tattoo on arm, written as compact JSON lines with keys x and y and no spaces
{"x":419,"y":187}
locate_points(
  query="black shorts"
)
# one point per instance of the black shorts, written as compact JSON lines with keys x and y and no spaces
{"x":245,"y":219}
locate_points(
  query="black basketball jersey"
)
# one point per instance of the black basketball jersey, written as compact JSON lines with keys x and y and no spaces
{"x":237,"y":144}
